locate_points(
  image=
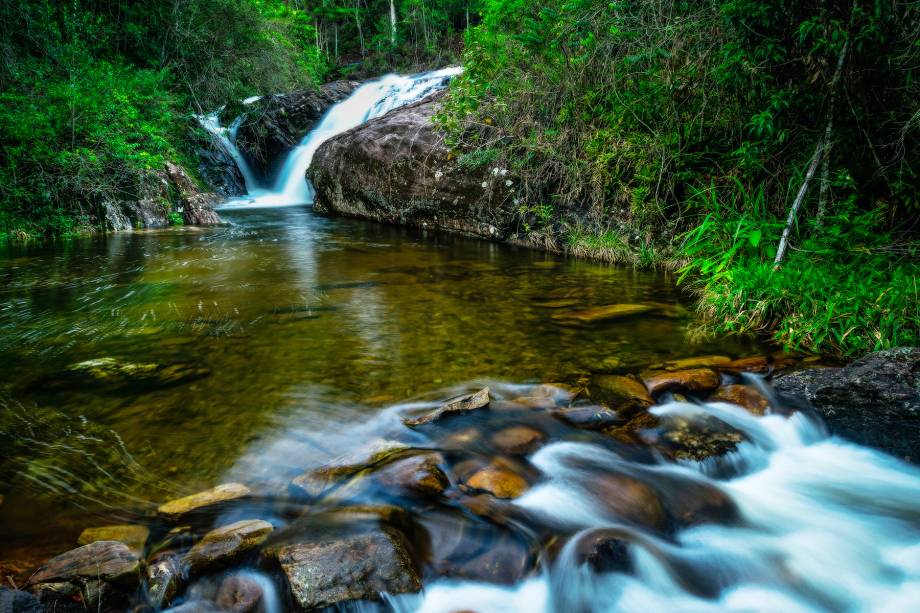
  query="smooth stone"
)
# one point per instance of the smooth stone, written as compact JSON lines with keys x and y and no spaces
{"x":223,"y":545}
{"x":207,"y":500}
{"x":337,"y":569}
{"x":132,"y":535}
{"x":590,"y":417}
{"x":604,"y":313}
{"x":699,"y":440}
{"x":627,"y":394}
{"x":239,"y":594}
{"x":758,"y":364}
{"x":743,"y":396}
{"x":630,"y":501}
{"x":498,"y":481}
{"x":462,"y":439}
{"x":505,"y":561}
{"x":700,"y":361}
{"x":456,"y":406}
{"x":418,"y":475}
{"x":518,"y":440}
{"x":317,"y":482}
{"x":103,"y":560}
{"x":691,"y":380}
{"x":164,"y":577}
{"x":605,"y":550}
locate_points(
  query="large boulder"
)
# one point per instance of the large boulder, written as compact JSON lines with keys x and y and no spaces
{"x":874,"y":401}
{"x":275,"y":124}
{"x":398,"y":169}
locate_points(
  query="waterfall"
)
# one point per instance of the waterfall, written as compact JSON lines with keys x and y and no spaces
{"x":372,"y":99}
{"x":227,"y":139}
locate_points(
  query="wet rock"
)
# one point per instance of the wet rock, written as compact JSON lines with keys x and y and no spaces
{"x":17,"y":601}
{"x":461,"y":439}
{"x":275,"y":124}
{"x":691,"y":380}
{"x":109,"y":561}
{"x":590,"y":417}
{"x":453,"y":407}
{"x":332,"y":569}
{"x":630,"y":501}
{"x":627,"y":394}
{"x":605,"y":550}
{"x":203,"y":502}
{"x":499,"y":481}
{"x":698,"y":439}
{"x":874,"y":401}
{"x":418,"y":475}
{"x":758,"y":364}
{"x":518,"y":440}
{"x":398,"y":169}
{"x":220,"y":547}
{"x":112,"y":373}
{"x":315,"y":483}
{"x":240,"y":594}
{"x":195,"y":205}
{"x":132,"y":535}
{"x":506,"y":560}
{"x":608,"y":312}
{"x":700,"y":361}
{"x":164,"y":577}
{"x":742,"y":396}
{"x":691,"y":502}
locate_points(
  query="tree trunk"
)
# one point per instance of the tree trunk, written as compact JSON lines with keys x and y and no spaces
{"x":392,"y":23}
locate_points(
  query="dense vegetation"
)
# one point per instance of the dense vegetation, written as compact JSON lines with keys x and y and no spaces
{"x":650,"y":131}
{"x":684,"y":132}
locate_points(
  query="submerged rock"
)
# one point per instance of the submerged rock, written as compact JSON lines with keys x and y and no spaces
{"x":418,"y":475}
{"x":132,"y":535}
{"x":499,"y":481}
{"x":108,"y":561}
{"x":221,"y":546}
{"x":743,"y":396}
{"x":604,"y":313}
{"x":690,"y":380}
{"x":397,"y":169}
{"x":874,"y":401}
{"x":331,"y":569}
{"x":203,"y":502}
{"x":627,"y":394}
{"x":456,"y":406}
{"x":518,"y":440}
{"x":630,"y":500}
{"x":108,"y":372}
{"x":315,"y":483}
{"x":591,"y":417}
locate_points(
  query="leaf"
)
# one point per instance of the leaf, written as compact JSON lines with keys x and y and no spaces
{"x":754,"y":237}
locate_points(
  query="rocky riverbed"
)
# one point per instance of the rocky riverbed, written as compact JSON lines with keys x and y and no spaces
{"x":443,"y":493}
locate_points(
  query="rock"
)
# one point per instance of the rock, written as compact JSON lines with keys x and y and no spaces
{"x":275,"y":124}
{"x":690,"y":380}
{"x":630,"y":501}
{"x":17,"y":601}
{"x":111,"y":373}
{"x":332,"y":569}
{"x":874,"y":401}
{"x":203,"y":502}
{"x":499,"y":481}
{"x":590,"y":417}
{"x":221,"y":546}
{"x":626,"y":394}
{"x":418,"y":475}
{"x":132,"y":535}
{"x":605,"y":550}
{"x":743,"y":396}
{"x":164,"y":577}
{"x":397,"y":169}
{"x":608,"y":312}
{"x":453,"y":407}
{"x":518,"y":440}
{"x":700,"y":361}
{"x":759,"y":364}
{"x":315,"y":483}
{"x":109,"y":561}
{"x":196,"y":206}
{"x":697,"y":440}
{"x":460,"y":440}
{"x":240,"y":594}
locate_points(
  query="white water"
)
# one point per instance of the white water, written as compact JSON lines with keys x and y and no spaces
{"x":227,"y":138}
{"x":826,"y":526}
{"x":370,"y":100}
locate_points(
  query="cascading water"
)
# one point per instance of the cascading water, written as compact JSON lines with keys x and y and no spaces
{"x":370,"y":100}
{"x":227,"y":139}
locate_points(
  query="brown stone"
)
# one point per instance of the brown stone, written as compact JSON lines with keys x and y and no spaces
{"x":132,"y":535}
{"x":239,"y":594}
{"x":226,"y":544}
{"x":700,"y":361}
{"x":456,"y":406}
{"x":315,"y":483}
{"x":743,"y":396}
{"x":205,"y":501}
{"x":630,"y":500}
{"x":418,"y":475}
{"x":590,"y":417}
{"x":164,"y":577}
{"x":498,"y":481}
{"x":103,"y":561}
{"x":604,"y":313}
{"x":518,"y":440}
{"x":626,"y":394}
{"x":691,"y":380}
{"x":759,"y":364}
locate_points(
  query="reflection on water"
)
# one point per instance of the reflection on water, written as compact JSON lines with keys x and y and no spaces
{"x":217,"y":344}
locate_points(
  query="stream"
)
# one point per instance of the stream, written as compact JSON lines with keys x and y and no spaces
{"x":147,"y":366}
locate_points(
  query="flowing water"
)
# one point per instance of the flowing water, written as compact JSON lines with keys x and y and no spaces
{"x":141,"y":367}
